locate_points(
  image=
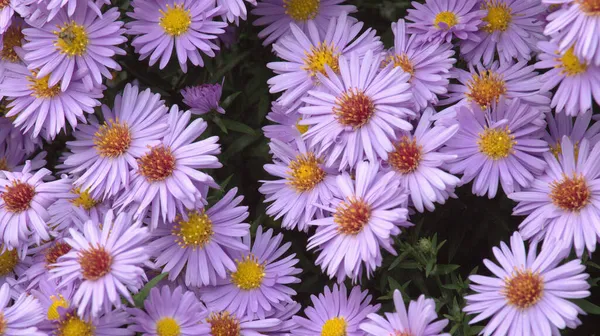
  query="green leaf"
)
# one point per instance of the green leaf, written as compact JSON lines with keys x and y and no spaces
{"x":238,"y":127}
{"x":587,"y":306}
{"x":227,"y":102}
{"x":140,"y":297}
{"x":445,"y":269}
{"x":220,"y":123}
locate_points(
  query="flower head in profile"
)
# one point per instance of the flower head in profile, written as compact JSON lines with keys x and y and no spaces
{"x":106,"y":261}
{"x":575,"y":128}
{"x":198,"y":246}
{"x":335,"y":312}
{"x":22,"y":316}
{"x":305,"y":55}
{"x":278,"y":14}
{"x":261,"y":278}
{"x":562,"y":203}
{"x":287,"y":128}
{"x":510,"y":29}
{"x":234,"y":9}
{"x":103,"y":153}
{"x":170,"y":312}
{"x":427,"y":64}
{"x":38,"y":12}
{"x":203,"y":98}
{"x":575,"y":23}
{"x":443,"y":20}
{"x":577,"y":80}
{"x":161,"y":27}
{"x":366,"y":216}
{"x":24,"y":201}
{"x":81,"y":43}
{"x":527,"y":293}
{"x":418,"y":319}
{"x":165,"y":179}
{"x":304,"y":181}
{"x":419,"y":164}
{"x":502,"y":147}
{"x":13,"y":156}
{"x":40,"y":259}
{"x":353,"y":116}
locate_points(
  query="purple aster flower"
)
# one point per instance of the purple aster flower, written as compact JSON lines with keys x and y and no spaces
{"x":165,"y":179}
{"x":527,"y":293}
{"x":106,"y":260}
{"x":304,"y":181}
{"x":11,"y":42}
{"x":355,"y":114}
{"x":442,"y":20}
{"x":287,"y":126}
{"x":12,"y":157}
{"x":201,"y":241}
{"x":225,"y":323}
{"x":510,"y":28}
{"x":562,"y":204}
{"x":81,"y":43}
{"x":22,"y":316}
{"x":102,"y":154}
{"x":576,"y":129}
{"x":260,"y":279}
{"x":427,"y":64}
{"x":234,"y":9}
{"x":76,"y":209}
{"x":305,"y":55}
{"x":370,"y":213}
{"x":417,"y":161}
{"x":169,"y":312}
{"x":203,"y":98}
{"x":24,"y":201}
{"x":38,"y":12}
{"x":335,"y":312}
{"x":575,"y":24}
{"x":484,"y":86}
{"x":416,"y":320}
{"x":185,"y":26}
{"x":502,"y":146}
{"x":285,"y":313}
{"x":6,"y":14}
{"x":41,"y":259}
{"x":278,"y":14}
{"x":578,"y":82}
{"x":10,"y":134}
{"x":43,"y":108}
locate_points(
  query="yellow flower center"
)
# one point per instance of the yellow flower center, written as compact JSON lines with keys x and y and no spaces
{"x":449,"y":18}
{"x":496,"y":143}
{"x":56,"y":251}
{"x":95,"y":263}
{"x":401,"y":61}
{"x":486,"y":88}
{"x":12,"y":38}
{"x":83,"y":200}
{"x":175,"y":20}
{"x":406,"y":156}
{"x":570,"y":64}
{"x":354,"y":108}
{"x":589,"y":7}
{"x":305,"y":172}
{"x":196,"y":232}
{"x":352,"y":216}
{"x":158,"y":164}
{"x":112,"y":139}
{"x":40,"y":87}
{"x":3,"y":164}
{"x":570,"y":193}
{"x":18,"y":196}
{"x":499,"y":16}
{"x":523,"y":289}
{"x":302,"y":10}
{"x":72,"y":39}
{"x":8,"y":260}
{"x":335,"y":326}
{"x":301,"y":128}
{"x":249,"y":273}
{"x":167,"y":326}
{"x":74,"y":326}
{"x":57,"y":301}
{"x":556,"y":149}
{"x":319,"y":56}
{"x":224,"y":324}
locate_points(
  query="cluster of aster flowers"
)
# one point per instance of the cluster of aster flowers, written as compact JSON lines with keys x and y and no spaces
{"x":363,"y":136}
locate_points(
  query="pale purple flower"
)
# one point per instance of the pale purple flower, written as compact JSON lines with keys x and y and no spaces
{"x":510,"y":29}
{"x":203,"y":98}
{"x":106,"y":261}
{"x":278,"y":14}
{"x":527,"y":293}
{"x":22,"y":316}
{"x":10,"y":134}
{"x":200,"y":242}
{"x":261,"y":278}
{"x":575,"y":128}
{"x":305,"y":55}
{"x":67,"y":46}
{"x":6,"y":14}
{"x":166,"y":179}
{"x":367,"y":215}
{"x":76,"y":209}
{"x":563,"y":203}
{"x":38,"y":12}
{"x":336,"y":312}
{"x":354,"y":115}
{"x":285,"y":313}
{"x":304,"y":181}
{"x":234,"y":9}
{"x":184,"y":26}
{"x":418,"y":319}
{"x":13,"y":157}
{"x":40,"y":259}
{"x":226,"y":323}
{"x":287,"y":126}
{"x":443,"y":20}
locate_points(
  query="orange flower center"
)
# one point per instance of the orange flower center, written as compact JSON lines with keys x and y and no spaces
{"x":486,"y":88}
{"x":406,"y":156}
{"x":224,"y":324}
{"x":571,"y":194}
{"x":589,"y":7}
{"x":12,"y":38}
{"x":354,"y":108}
{"x":95,"y":263}
{"x":352,"y":215}
{"x":18,"y":196}
{"x":524,"y":289}
{"x":158,"y":164}
{"x":112,"y":139}
{"x":56,"y":251}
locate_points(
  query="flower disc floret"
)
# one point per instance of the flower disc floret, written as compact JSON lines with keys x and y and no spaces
{"x":499,"y":16}
{"x":8,"y":261}
{"x":72,"y":39}
{"x":305,"y":172}
{"x":249,"y":273}
{"x":195,"y":232}
{"x":320,"y":56}
{"x":158,"y":164}
{"x":18,"y":196}
{"x":524,"y":289}
{"x":224,"y":324}
{"x":448,"y":18}
{"x":486,"y":88}
{"x":406,"y":156}
{"x":167,"y":326}
{"x":302,"y":10}
{"x":354,"y":108}
{"x":95,"y":263}
{"x":571,"y":193}
{"x":570,"y":63}
{"x":335,"y":326}
{"x":351,"y":216}
{"x":176,"y":20}
{"x":112,"y":139}
{"x":72,"y":325}
{"x":496,"y":143}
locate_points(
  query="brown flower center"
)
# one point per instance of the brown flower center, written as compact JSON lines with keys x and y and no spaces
{"x":12,"y":38}
{"x":158,"y":164}
{"x":57,"y":250}
{"x":354,"y":108}
{"x":95,"y":263}
{"x":524,"y":289}
{"x":571,"y":193}
{"x":589,"y":7}
{"x":224,"y":324}
{"x":18,"y":196}
{"x":352,"y":215}
{"x":406,"y":156}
